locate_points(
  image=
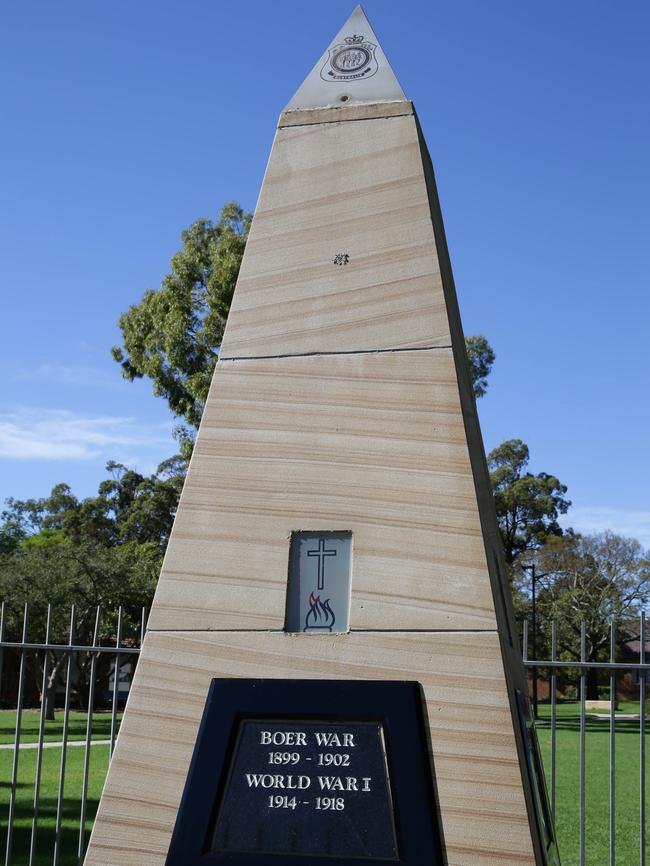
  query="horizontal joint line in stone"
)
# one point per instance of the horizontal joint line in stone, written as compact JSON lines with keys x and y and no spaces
{"x":328,"y":354}
{"x":316,"y":637}
{"x":314,"y":122}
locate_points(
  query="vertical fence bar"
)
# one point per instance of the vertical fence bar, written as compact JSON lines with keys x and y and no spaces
{"x":95,"y":650}
{"x":41,"y":733}
{"x":583,"y":691}
{"x":553,"y":716}
{"x":524,"y":651}
{"x":642,"y":673}
{"x":81,"y":848}
{"x":2,"y":637}
{"x":64,"y":742}
{"x":16,"y":755}
{"x":116,"y":682}
{"x":612,"y":747}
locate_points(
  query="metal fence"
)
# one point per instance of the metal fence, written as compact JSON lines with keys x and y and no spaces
{"x":613,"y":668}
{"x":77,"y":672}
{"x":69,"y":658}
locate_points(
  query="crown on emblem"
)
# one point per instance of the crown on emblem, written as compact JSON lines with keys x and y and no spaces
{"x":352,"y":40}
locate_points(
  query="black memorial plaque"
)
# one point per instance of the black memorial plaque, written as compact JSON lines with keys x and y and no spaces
{"x":317,"y":770}
{"x":308,"y":788}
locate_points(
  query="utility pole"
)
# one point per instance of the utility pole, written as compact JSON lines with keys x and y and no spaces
{"x":534,"y":624}
{"x":534,"y":577}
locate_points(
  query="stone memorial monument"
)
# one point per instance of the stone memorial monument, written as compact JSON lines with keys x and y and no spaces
{"x":331,"y":666}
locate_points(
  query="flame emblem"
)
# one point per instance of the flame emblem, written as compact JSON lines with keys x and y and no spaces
{"x":320,"y":615}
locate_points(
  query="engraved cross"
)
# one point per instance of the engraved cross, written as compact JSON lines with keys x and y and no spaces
{"x":321,"y":553}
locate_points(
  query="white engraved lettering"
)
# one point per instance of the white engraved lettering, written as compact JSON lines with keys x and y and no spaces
{"x":338,"y":783}
{"x":283,"y":738}
{"x":272,"y":780}
{"x":327,"y":738}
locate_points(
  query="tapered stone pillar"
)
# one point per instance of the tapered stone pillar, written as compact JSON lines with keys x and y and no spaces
{"x":341,"y":403}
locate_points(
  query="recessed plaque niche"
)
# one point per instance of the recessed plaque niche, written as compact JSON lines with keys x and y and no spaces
{"x":318,"y":594}
{"x":311,"y":770}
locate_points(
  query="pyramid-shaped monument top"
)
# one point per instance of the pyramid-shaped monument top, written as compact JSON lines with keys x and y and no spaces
{"x":353,"y":69}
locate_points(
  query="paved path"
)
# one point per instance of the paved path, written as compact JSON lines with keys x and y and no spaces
{"x":619,"y":717}
{"x":71,"y":743}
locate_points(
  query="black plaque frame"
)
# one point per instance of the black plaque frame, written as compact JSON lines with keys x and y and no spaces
{"x":397,"y":706}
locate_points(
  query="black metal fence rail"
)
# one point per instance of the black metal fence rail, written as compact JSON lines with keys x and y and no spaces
{"x":552,"y":666}
{"x":69,"y":653}
{"x":118,"y":649}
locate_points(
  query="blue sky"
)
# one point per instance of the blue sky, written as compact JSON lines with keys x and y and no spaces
{"x":123,"y":122}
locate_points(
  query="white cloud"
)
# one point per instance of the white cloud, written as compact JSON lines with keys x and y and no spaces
{"x":596,"y":518}
{"x":73,"y":374}
{"x":58,"y":434}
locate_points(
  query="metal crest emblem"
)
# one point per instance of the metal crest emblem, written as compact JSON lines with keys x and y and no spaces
{"x":351,"y":60}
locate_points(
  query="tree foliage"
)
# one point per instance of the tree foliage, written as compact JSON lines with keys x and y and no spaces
{"x":104,"y":550}
{"x":128,"y":507}
{"x":527,"y":505}
{"x":172,"y":336}
{"x":597,"y":580}
{"x":481,"y":358}
{"x":49,"y":568}
{"x":52,"y":569}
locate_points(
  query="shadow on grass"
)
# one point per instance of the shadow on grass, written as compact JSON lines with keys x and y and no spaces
{"x":592,"y":726}
{"x":45,"y":836}
{"x":54,"y":729}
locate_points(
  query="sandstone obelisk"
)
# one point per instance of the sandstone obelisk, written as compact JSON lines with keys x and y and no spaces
{"x":341,"y":403}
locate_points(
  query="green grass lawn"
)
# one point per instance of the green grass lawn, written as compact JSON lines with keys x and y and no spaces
{"x":48,"y":801}
{"x":596,"y":784}
{"x":50,"y":784}
{"x":567,"y":786}
{"x":54,"y":730}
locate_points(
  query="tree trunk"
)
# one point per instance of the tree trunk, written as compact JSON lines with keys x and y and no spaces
{"x":83,"y":681}
{"x":592,"y":684}
{"x":50,"y":689}
{"x":45,"y":690}
{"x":49,"y":702}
